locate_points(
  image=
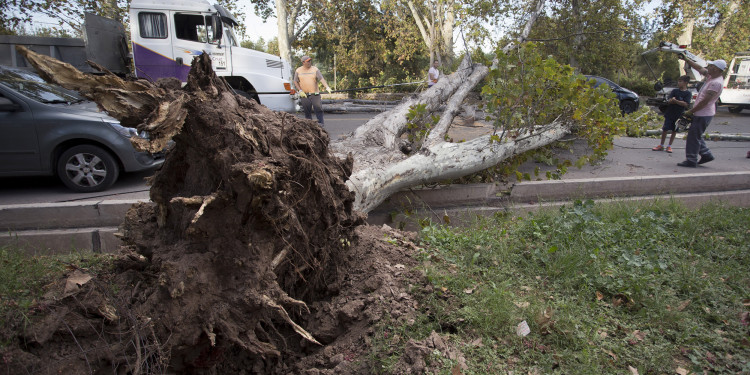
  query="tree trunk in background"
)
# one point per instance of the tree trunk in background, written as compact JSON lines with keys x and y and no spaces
{"x":285,"y":50}
{"x":721,"y":26}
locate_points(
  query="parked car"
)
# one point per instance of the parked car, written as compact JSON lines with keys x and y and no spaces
{"x":48,"y":130}
{"x":629,"y":100}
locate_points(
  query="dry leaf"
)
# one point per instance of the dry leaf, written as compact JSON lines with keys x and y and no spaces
{"x":639,"y":335}
{"x":521,"y":305}
{"x":456,"y":370}
{"x":599,"y":295}
{"x":613,"y":355}
{"x":681,"y":371}
{"x":746,"y":302}
{"x":633,"y":370}
{"x":683,"y":305}
{"x":477,"y":343}
{"x":469,"y":290}
{"x":75,"y":280}
{"x":399,"y":266}
{"x":603,"y":334}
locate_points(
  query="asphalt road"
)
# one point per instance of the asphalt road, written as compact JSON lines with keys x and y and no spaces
{"x":130,"y":185}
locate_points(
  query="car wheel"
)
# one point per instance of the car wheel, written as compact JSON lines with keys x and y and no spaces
{"x":735,"y":109}
{"x":628,"y":106}
{"x":87,"y":169}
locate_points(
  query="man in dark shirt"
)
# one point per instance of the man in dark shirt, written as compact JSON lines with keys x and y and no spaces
{"x":679,"y":101}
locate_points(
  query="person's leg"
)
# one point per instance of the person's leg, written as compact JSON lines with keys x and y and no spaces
{"x":703,"y":150}
{"x":671,"y":140}
{"x":317,"y":104}
{"x":306,"y":106}
{"x":693,"y":139}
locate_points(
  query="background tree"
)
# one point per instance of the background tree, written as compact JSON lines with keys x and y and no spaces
{"x":288,"y":14}
{"x":435,"y":20}
{"x":367,"y":45}
{"x":595,"y":37}
{"x":715,"y":29}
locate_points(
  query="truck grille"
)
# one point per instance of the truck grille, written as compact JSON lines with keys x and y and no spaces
{"x":274,"y":64}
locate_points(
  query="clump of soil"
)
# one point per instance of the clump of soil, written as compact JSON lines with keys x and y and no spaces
{"x":249,"y":260}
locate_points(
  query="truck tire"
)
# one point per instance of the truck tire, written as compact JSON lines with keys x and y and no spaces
{"x":737,"y":109}
{"x":251,"y":96}
{"x":87,"y":169}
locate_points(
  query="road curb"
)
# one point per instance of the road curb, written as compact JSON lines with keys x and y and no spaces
{"x":92,"y":225}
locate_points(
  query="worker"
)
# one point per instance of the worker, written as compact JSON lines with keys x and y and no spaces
{"x":703,"y":112}
{"x":306,"y":79}
{"x":433,"y":73}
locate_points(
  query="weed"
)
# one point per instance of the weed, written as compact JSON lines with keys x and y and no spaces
{"x":602,"y":287}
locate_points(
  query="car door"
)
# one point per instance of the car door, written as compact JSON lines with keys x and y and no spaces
{"x":192,"y":36}
{"x":19,"y":148}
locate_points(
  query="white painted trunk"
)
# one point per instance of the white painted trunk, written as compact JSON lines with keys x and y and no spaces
{"x":381,"y":169}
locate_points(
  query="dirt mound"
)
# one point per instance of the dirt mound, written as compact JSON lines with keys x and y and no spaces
{"x":250,"y":258}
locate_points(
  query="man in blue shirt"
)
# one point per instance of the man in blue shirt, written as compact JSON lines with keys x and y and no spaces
{"x":679,"y":101}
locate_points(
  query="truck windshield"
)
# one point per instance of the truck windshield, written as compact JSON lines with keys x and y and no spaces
{"x":194,"y":27}
{"x":229,"y":32}
{"x":739,"y":77}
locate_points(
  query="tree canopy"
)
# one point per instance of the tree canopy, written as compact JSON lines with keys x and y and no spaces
{"x":371,"y":42}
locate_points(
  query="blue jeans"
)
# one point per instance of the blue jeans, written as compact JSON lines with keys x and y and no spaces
{"x":312,"y":101}
{"x":695,"y":144}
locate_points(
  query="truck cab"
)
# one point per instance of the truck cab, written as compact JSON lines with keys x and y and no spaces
{"x":167,"y":34}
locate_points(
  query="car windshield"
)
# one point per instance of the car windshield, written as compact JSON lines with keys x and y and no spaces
{"x":33,"y":86}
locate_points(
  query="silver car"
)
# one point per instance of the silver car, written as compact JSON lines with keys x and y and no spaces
{"x":48,"y":130}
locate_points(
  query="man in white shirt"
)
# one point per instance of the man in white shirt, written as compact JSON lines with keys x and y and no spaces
{"x":703,"y":112}
{"x":434,"y":74}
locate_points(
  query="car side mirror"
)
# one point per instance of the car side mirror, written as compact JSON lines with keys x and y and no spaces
{"x":216,"y":27}
{"x":8,"y":106}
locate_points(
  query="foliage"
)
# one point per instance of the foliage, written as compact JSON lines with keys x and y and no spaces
{"x":369,"y":46}
{"x":527,"y":89}
{"x":654,"y":286}
{"x":721,"y":26}
{"x":595,"y":37}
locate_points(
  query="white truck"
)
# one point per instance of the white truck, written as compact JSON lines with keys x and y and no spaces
{"x":736,"y":93}
{"x":165,"y":36}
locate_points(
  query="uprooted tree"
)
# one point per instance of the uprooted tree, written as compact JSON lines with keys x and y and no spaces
{"x":251,"y":211}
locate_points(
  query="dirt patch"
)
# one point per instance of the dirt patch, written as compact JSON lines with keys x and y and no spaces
{"x":249,"y":260}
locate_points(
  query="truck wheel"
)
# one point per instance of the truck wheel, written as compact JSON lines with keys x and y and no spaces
{"x":628,"y":106}
{"x":87,"y":169}
{"x":735,"y":109}
{"x":251,"y":96}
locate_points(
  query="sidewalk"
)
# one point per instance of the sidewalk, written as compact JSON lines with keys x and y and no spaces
{"x":630,"y":171}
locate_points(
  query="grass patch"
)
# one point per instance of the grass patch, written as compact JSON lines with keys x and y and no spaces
{"x":24,"y":280}
{"x":654,"y":286}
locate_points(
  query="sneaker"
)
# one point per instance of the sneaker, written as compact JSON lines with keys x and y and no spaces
{"x":658,"y":148}
{"x":748,"y":154}
{"x":687,"y":163}
{"x":705,"y":159}
{"x":669,"y":149}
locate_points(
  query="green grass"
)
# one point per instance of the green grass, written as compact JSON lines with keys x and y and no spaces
{"x":653,"y":286}
{"x":24,"y":278}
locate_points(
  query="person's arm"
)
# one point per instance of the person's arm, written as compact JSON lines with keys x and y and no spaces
{"x":296,"y":81}
{"x":708,"y":98}
{"x":323,"y":81}
{"x":694,"y":65}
